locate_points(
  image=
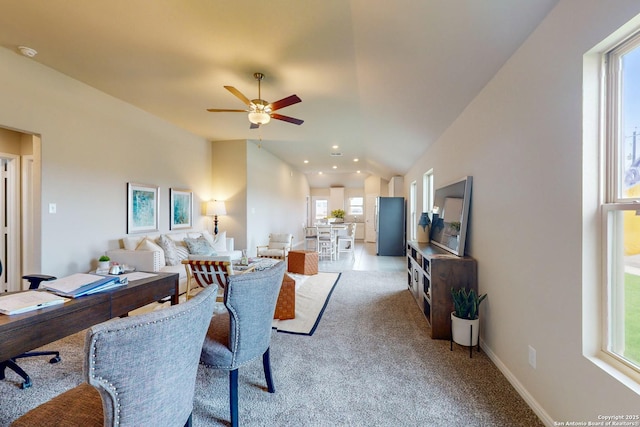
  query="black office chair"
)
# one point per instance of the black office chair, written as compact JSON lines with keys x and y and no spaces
{"x":34,"y":283}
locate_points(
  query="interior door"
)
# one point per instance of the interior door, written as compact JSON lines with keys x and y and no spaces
{"x":370,"y":218}
{"x":10,"y":222}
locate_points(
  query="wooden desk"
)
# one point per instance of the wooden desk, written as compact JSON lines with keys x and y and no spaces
{"x":20,"y":333}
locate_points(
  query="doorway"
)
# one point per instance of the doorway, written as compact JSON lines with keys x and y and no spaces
{"x":19,"y":195}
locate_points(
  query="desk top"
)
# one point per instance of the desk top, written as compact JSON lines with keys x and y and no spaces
{"x":26,"y":331}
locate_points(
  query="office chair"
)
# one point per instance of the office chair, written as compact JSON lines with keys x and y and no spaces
{"x":34,"y":283}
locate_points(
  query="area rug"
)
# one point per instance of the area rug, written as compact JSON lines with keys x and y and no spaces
{"x":312,"y":296}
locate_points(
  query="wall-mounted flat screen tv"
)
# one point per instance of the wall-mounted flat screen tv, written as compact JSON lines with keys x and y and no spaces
{"x":450,"y":215}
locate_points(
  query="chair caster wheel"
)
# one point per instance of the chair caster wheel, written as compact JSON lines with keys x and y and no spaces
{"x":55,"y":359}
{"x":26,"y":384}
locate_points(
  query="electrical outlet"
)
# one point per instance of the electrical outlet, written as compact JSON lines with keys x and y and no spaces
{"x":532,"y":357}
{"x":52,"y":208}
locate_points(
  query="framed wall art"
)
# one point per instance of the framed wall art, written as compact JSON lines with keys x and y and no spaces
{"x":181,"y":205}
{"x":143,"y":203}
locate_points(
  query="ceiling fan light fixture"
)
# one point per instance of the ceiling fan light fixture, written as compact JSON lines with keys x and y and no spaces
{"x":259,"y":118}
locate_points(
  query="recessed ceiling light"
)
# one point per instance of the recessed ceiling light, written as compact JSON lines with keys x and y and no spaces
{"x":335,"y":167}
{"x":357,"y":171}
{"x":306,"y":161}
{"x":356,"y":159}
{"x":335,"y":147}
{"x":320,"y":173}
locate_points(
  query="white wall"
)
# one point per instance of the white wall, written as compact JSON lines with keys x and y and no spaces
{"x":92,"y":145}
{"x":521,"y":139}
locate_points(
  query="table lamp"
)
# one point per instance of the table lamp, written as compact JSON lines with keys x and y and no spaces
{"x":215,"y":208}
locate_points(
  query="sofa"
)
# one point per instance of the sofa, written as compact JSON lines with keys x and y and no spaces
{"x":164,"y":252}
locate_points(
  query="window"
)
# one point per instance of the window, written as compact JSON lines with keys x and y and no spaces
{"x":321,"y":209}
{"x":427,"y":191}
{"x":356,"y":206}
{"x":620,"y":213}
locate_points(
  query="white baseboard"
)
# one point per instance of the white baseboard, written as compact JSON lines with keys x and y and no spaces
{"x":522,"y":391}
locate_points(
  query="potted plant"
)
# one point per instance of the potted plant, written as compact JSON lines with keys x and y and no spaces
{"x":465,"y":314}
{"x":338,"y":214}
{"x":103,"y":262}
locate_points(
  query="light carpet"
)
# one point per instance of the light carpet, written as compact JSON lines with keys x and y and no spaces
{"x":312,"y":296}
{"x":370,"y":363}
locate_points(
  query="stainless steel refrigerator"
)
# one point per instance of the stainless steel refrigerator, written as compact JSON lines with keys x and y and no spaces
{"x":390,"y":226}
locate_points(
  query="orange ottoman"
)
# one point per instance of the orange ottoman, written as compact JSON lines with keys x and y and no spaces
{"x":286,"y":304}
{"x":303,"y":262}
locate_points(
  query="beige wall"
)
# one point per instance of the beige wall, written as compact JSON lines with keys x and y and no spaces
{"x":522,"y":141}
{"x":263,"y":194}
{"x":229,"y":160}
{"x":92,"y":145}
{"x":276,"y":195}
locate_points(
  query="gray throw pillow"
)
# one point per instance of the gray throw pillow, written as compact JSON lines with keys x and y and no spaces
{"x":199,"y":246}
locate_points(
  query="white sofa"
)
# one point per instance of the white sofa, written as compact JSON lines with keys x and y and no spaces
{"x":145,"y":253}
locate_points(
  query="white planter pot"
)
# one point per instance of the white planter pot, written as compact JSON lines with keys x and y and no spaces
{"x":103,"y":265}
{"x":461,"y":332}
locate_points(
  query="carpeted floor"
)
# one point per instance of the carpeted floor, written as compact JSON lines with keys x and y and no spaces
{"x":370,"y":363}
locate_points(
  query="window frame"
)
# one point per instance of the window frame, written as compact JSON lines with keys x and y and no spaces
{"x":350,"y":206}
{"x":613,"y":203}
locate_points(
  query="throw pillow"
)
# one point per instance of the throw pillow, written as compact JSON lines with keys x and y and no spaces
{"x":132,"y":242}
{"x":182,"y":251}
{"x":170,"y":251}
{"x":148,"y":245}
{"x":220,"y":242}
{"x":199,"y":246}
{"x":209,"y":237}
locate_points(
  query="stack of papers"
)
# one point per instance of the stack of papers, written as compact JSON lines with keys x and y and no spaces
{"x":81,"y":284}
{"x":21,"y":302}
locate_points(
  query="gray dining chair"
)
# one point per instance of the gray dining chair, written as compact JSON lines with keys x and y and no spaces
{"x":242,"y":333}
{"x":139,"y":371}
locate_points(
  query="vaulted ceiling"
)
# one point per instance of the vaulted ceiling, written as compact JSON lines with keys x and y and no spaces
{"x":381,"y":80}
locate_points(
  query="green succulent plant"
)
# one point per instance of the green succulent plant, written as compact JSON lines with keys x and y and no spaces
{"x":466,"y":304}
{"x":104,"y":258}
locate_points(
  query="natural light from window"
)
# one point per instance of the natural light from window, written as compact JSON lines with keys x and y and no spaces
{"x":620,"y":208}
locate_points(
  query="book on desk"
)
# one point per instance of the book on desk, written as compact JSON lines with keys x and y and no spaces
{"x":81,"y":284}
{"x":22,"y":302}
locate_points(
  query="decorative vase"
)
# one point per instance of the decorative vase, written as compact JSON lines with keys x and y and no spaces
{"x":461,"y":331}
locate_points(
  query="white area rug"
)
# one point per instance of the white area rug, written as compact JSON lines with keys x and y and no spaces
{"x":312,"y":296}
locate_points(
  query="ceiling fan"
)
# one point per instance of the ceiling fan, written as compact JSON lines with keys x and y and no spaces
{"x":261,"y":111}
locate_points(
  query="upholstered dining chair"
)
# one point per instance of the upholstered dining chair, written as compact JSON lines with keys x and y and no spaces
{"x":139,"y":371}
{"x":243,"y":332}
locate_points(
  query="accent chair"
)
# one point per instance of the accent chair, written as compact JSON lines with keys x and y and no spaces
{"x":279,"y":246}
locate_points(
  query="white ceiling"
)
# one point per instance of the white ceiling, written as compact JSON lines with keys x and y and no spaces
{"x":380,"y":79}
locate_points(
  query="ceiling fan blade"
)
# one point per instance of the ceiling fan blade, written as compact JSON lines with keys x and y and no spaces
{"x":285,"y":102}
{"x":287,"y":119}
{"x":224,"y":110}
{"x":238,"y":94}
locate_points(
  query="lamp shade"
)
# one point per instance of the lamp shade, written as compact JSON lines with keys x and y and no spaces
{"x":216,"y":207}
